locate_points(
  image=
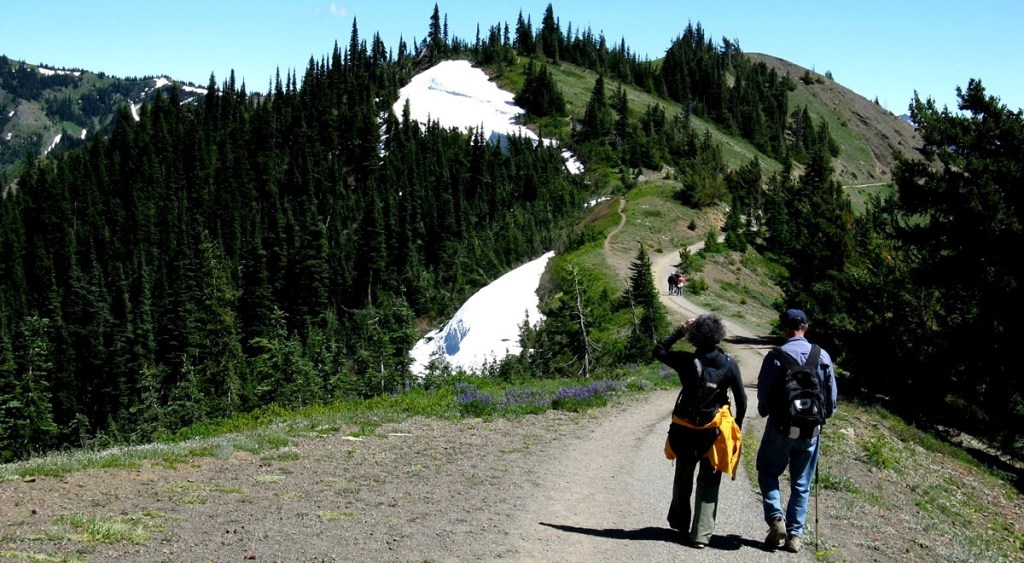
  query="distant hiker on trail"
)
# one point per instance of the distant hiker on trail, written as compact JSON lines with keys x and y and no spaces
{"x":673,"y":283}
{"x":703,"y":431}
{"x":680,"y":284}
{"x":796,"y":390}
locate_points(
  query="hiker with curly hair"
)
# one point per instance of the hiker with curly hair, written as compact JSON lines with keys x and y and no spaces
{"x":704,"y":432}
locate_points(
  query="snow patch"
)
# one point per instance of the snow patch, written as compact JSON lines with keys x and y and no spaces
{"x":486,"y":327}
{"x":51,"y":72}
{"x":455,"y":94}
{"x":84,"y":131}
{"x":53,"y":143}
{"x":8,"y":135}
{"x":571,"y":162}
{"x":160,"y":82}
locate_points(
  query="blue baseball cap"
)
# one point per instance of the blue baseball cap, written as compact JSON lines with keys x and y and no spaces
{"x":794,"y":315}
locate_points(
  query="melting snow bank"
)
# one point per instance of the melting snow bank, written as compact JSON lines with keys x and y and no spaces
{"x":54,"y":143}
{"x":50,"y":72}
{"x":455,"y":94}
{"x":486,"y":327}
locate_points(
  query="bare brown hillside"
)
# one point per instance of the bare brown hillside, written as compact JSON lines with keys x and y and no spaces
{"x":873,"y":133}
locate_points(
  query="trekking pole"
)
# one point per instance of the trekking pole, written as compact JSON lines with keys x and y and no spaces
{"x":817,"y":467}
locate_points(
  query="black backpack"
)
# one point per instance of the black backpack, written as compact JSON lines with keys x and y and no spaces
{"x":697,"y":403}
{"x":800,"y":395}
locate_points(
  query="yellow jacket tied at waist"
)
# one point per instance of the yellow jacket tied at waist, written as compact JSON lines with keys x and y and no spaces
{"x":724,"y":454}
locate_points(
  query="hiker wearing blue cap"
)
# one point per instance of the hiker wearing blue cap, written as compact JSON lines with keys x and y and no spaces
{"x":796,"y":390}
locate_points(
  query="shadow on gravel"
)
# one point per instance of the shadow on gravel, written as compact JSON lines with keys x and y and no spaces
{"x":754,"y":340}
{"x":649,"y":533}
{"x":731,"y":542}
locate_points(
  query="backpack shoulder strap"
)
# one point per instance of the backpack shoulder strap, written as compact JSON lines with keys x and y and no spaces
{"x":788,"y":362}
{"x":814,"y":357}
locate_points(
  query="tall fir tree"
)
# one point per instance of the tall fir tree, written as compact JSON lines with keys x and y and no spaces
{"x":28,"y":425}
{"x":435,"y":36}
{"x":550,"y":38}
{"x":598,"y":118}
{"x":649,"y":318}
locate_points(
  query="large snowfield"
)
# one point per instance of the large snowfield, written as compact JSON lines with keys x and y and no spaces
{"x":486,"y":327}
{"x":455,"y":94}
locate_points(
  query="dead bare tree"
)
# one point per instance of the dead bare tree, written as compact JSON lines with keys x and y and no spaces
{"x":587,"y":344}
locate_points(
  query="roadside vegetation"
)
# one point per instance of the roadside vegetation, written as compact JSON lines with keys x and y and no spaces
{"x":270,"y":432}
{"x":889,"y":491}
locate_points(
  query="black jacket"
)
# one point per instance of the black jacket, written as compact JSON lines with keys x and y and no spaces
{"x":724,"y":376}
{"x":699,"y":400}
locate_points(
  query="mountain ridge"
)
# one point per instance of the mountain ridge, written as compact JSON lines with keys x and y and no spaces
{"x":45,"y":107}
{"x":880,"y":131}
{"x":867,"y":133}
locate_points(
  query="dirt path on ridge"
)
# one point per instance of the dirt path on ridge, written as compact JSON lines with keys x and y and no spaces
{"x":615,"y":231}
{"x":605,"y":498}
{"x":610,"y":501}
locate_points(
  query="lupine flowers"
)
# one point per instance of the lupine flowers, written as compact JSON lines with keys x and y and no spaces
{"x":532,"y":401}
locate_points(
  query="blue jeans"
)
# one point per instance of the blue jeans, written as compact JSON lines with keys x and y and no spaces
{"x":775,"y":453}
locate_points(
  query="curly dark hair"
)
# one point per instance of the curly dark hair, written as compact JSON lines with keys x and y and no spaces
{"x":706,"y":332}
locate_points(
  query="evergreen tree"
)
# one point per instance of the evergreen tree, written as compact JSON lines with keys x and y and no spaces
{"x":648,"y":314}
{"x":958,"y":215}
{"x":598,"y":117}
{"x":523,"y":42}
{"x":12,"y":426}
{"x":735,"y":238}
{"x":563,"y":342}
{"x":435,"y":37}
{"x":747,"y":195}
{"x":281,"y":373}
{"x":380,"y":355}
{"x":703,"y":181}
{"x":540,"y":96}
{"x":816,"y":244}
{"x":620,"y":106}
{"x":218,"y":365}
{"x":550,"y":39}
{"x":780,"y":237}
{"x":27,"y":426}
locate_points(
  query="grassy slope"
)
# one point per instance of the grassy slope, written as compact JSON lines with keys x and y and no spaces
{"x":32,"y":130}
{"x":867,"y":133}
{"x":576,"y":84}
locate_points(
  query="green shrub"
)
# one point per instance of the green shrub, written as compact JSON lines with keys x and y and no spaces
{"x":697,"y":286}
{"x":880,"y":452}
{"x":832,"y":480}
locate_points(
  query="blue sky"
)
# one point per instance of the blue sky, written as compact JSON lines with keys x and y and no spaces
{"x":883,"y":49}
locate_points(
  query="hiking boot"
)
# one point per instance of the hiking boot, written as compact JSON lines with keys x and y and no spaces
{"x":794,"y":544}
{"x":776,"y":533}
